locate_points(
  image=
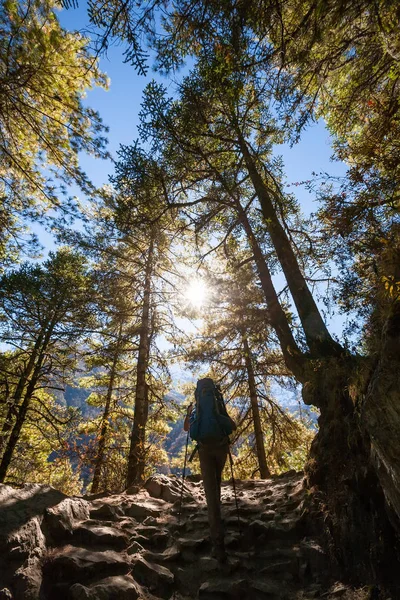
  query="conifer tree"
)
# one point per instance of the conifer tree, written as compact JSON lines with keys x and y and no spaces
{"x":45,"y":310}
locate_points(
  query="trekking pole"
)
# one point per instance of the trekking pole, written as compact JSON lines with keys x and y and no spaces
{"x":183,"y":477}
{"x":234,"y":492}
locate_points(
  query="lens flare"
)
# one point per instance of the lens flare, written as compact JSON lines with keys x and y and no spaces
{"x":196,"y":293}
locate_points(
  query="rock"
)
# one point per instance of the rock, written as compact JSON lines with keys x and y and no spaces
{"x":151,"y":536}
{"x":221,"y":588}
{"x":27,"y":580}
{"x":112,"y":588}
{"x":79,"y":592}
{"x":27,"y":541}
{"x":232,"y":540}
{"x":21,"y":537}
{"x":107,"y":512}
{"x":149,"y":508}
{"x":317,"y":560}
{"x":150,"y":521}
{"x":268,"y":590}
{"x":135,"y":548}
{"x":273,"y":530}
{"x":128,"y":524}
{"x":285,"y":569}
{"x":268,"y":515}
{"x":90,"y":533}
{"x":170,"y":554}
{"x":61,"y":519}
{"x":140,"y":539}
{"x":208,"y":563}
{"x":155,"y":577}
{"x":91,"y":497}
{"x":191,"y":542}
{"x":5,"y":594}
{"x":79,"y":564}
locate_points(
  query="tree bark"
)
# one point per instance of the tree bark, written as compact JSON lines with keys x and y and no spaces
{"x":380,"y":413}
{"x":16,"y":398}
{"x":136,"y":458}
{"x":105,"y":418}
{"x":294,"y":359}
{"x":317,"y":335}
{"x":23,"y":409}
{"x":258,"y":433}
{"x":42,"y":343}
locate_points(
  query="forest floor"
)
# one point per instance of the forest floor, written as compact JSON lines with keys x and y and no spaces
{"x":136,"y":546}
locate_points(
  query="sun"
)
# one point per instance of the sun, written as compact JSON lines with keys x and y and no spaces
{"x":196,"y":293}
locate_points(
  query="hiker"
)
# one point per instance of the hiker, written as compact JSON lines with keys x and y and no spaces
{"x":210,"y":426}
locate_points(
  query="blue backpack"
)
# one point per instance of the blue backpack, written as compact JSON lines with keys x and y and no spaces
{"x":211,"y":420}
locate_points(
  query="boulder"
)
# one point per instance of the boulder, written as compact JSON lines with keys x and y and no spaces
{"x":166,"y":488}
{"x":78,"y":564}
{"x":79,"y":592}
{"x":22,"y":541}
{"x":170,"y":554}
{"x":155,"y":577}
{"x":93,"y":533}
{"x":107,"y":512}
{"x":61,"y":519}
{"x":146,"y":508}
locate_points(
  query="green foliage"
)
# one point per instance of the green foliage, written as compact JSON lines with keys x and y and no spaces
{"x":45,"y":72}
{"x":41,"y":454}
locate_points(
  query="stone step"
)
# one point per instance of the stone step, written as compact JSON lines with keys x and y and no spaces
{"x":78,"y":564}
{"x":120,"y":587}
{"x":156,"y":578}
{"x":93,"y":533}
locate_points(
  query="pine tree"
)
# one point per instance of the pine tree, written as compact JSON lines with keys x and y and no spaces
{"x":45,"y":310}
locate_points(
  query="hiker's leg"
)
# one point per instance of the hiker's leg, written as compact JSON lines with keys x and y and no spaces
{"x":209,"y":471}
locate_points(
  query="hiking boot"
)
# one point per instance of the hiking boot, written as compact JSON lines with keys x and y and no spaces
{"x":218,"y":552}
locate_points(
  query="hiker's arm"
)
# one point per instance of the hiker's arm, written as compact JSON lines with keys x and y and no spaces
{"x":186,"y":423}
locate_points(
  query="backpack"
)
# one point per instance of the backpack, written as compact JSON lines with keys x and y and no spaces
{"x":212,"y":421}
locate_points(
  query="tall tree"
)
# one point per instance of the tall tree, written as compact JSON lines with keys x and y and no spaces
{"x":45,"y":309}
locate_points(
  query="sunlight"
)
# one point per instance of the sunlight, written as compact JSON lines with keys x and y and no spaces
{"x":196,"y":293}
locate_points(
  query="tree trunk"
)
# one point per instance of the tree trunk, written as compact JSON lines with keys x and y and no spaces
{"x":23,"y":409}
{"x":380,"y":413}
{"x":104,"y":421}
{"x":16,"y":398}
{"x":136,"y":458}
{"x":340,"y":471}
{"x":260,"y":447}
{"x":317,"y":335}
{"x":42,"y":343}
{"x":346,"y":489}
{"x":293,"y":357}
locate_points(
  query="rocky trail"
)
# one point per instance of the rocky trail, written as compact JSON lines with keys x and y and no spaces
{"x":134,"y":545}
